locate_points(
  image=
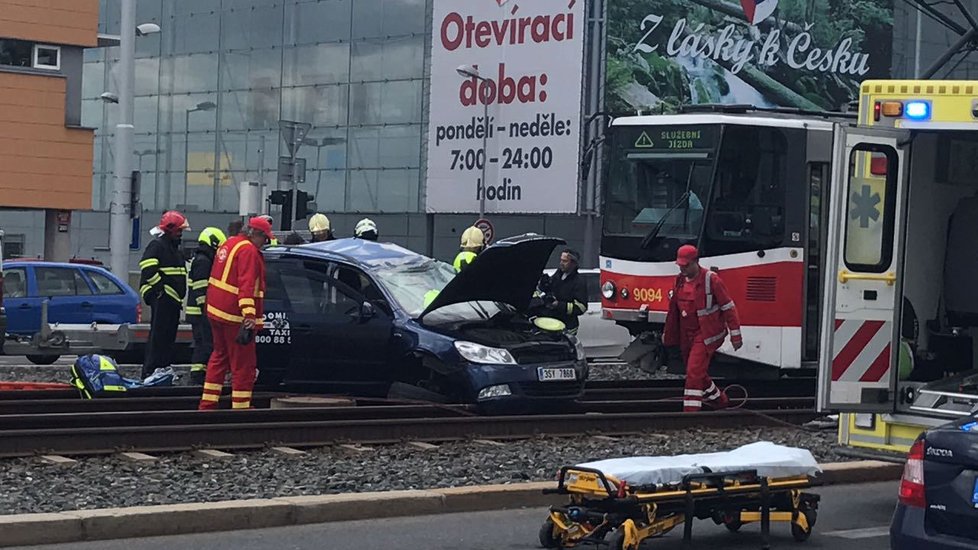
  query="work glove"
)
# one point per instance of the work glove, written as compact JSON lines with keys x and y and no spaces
{"x":245,"y":335}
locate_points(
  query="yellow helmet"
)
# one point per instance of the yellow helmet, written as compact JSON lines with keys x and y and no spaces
{"x":473,"y":238}
{"x":212,"y":236}
{"x":318,"y":223}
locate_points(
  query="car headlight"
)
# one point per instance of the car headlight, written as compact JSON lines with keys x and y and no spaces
{"x":477,"y":353}
{"x":501,"y":390}
{"x":578,"y":347}
{"x":608,"y":290}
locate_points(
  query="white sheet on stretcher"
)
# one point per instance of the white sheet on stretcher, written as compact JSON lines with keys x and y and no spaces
{"x":770,"y":460}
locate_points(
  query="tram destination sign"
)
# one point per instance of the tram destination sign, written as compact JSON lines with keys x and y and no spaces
{"x":669,"y":138}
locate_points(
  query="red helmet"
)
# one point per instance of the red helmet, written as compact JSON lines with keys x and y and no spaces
{"x":172,"y":221}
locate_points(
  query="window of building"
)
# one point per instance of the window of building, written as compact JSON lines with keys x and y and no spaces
{"x":15,"y":53}
{"x":47,"y":57}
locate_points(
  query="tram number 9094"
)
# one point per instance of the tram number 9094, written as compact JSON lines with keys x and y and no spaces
{"x":648,"y":294}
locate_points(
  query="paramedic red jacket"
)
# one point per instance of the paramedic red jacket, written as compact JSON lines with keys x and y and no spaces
{"x":237,"y":283}
{"x":713,"y":309}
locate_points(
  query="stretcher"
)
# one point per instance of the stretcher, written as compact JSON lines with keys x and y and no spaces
{"x":634,"y":499}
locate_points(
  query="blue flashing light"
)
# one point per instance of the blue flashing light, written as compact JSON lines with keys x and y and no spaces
{"x":917,"y":110}
{"x":970,"y":427}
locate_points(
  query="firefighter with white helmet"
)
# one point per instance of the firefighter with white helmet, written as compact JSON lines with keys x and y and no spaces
{"x":209,"y":240}
{"x":162,"y":285}
{"x":319,"y":228}
{"x":472,"y":243}
{"x":366,"y":229}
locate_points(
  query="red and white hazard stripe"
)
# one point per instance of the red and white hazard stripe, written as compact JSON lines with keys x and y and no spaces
{"x":861,"y":350}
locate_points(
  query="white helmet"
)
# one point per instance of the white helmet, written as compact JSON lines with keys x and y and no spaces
{"x":318,"y":223}
{"x":473,"y":238}
{"x":365,"y":229}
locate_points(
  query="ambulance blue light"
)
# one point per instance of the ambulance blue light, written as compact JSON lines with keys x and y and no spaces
{"x":917,"y":110}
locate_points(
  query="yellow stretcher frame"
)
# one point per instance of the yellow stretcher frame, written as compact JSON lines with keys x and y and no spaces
{"x":601,"y":504}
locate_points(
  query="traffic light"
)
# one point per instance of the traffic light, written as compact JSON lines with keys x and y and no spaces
{"x":302,"y":209}
{"x":284,"y":199}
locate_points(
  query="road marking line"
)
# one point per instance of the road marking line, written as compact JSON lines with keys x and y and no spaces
{"x":867,"y":533}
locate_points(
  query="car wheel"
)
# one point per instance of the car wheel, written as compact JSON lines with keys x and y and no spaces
{"x":732,"y":522}
{"x":43,"y":359}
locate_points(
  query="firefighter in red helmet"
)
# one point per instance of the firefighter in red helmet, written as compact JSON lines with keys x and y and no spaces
{"x":162,"y":285}
{"x":701,"y":314}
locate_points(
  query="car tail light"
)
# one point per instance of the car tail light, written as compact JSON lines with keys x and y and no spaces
{"x":912,"y":483}
{"x":139,"y":313}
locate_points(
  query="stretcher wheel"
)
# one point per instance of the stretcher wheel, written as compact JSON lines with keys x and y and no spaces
{"x":547,"y":538}
{"x":799,"y":534}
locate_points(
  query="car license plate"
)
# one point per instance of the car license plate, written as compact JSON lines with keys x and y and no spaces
{"x":552,"y":375}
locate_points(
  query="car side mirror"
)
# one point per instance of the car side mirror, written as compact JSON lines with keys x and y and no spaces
{"x":367,"y":311}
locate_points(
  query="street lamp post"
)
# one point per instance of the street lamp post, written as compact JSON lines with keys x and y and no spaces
{"x":471,"y":71}
{"x":119,"y":220}
{"x":203,"y":106}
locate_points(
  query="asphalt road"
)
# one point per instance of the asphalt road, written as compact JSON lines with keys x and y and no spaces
{"x":854,"y":516}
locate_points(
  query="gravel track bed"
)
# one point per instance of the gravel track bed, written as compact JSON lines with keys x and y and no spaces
{"x":30,"y":485}
{"x":618,"y":372}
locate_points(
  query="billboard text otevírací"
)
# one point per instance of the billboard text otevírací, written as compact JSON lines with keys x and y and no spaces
{"x":809,"y":54}
{"x":527,"y":57}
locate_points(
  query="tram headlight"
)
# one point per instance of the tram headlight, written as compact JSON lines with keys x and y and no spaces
{"x":608,"y":290}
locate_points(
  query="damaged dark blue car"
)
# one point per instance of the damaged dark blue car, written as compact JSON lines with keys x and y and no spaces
{"x":373,"y":319}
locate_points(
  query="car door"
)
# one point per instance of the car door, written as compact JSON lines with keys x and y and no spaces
{"x":69,"y":297}
{"x":23,"y":310}
{"x":337,"y":341}
{"x":274,"y":342}
{"x":111,"y":304}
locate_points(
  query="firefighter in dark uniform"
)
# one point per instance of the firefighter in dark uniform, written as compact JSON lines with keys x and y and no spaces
{"x":209,"y":240}
{"x":567,"y":298}
{"x":163,"y":285}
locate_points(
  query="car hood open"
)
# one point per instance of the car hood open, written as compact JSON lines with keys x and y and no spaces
{"x":507,"y":272}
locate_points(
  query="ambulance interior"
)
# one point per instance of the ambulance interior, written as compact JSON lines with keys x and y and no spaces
{"x":939,"y":326}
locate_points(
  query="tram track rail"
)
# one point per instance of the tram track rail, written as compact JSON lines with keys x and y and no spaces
{"x":166,"y":419}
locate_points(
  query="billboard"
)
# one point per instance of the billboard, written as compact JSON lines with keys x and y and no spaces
{"x":808,"y":54}
{"x":528,"y":59}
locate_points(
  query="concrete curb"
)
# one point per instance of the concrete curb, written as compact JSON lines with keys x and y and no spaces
{"x":175,"y":519}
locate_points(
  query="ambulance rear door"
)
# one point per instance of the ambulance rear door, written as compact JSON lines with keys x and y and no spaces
{"x":857,"y":360}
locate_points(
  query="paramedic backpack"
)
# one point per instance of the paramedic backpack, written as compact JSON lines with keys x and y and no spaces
{"x":96,"y":376}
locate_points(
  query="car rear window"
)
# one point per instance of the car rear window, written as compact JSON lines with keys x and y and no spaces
{"x":59,"y":281}
{"x":15,"y":283}
{"x":104,"y":285}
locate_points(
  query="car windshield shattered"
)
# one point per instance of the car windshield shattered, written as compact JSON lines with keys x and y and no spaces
{"x":415,"y":285}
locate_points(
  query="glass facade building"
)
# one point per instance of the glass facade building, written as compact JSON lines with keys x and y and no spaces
{"x":213,"y":85}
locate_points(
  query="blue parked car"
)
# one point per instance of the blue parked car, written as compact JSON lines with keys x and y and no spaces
{"x":368,"y":318}
{"x":76,"y":294}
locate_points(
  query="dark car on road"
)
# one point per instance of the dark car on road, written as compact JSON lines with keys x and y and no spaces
{"x":938,"y":502}
{"x":367,"y":318}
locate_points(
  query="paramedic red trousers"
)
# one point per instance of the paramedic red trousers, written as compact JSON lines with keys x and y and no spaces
{"x":231,"y":356}
{"x":699,"y":387}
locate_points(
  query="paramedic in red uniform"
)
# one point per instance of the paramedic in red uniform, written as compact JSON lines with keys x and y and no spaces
{"x":700,"y":315}
{"x":234,"y":308}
